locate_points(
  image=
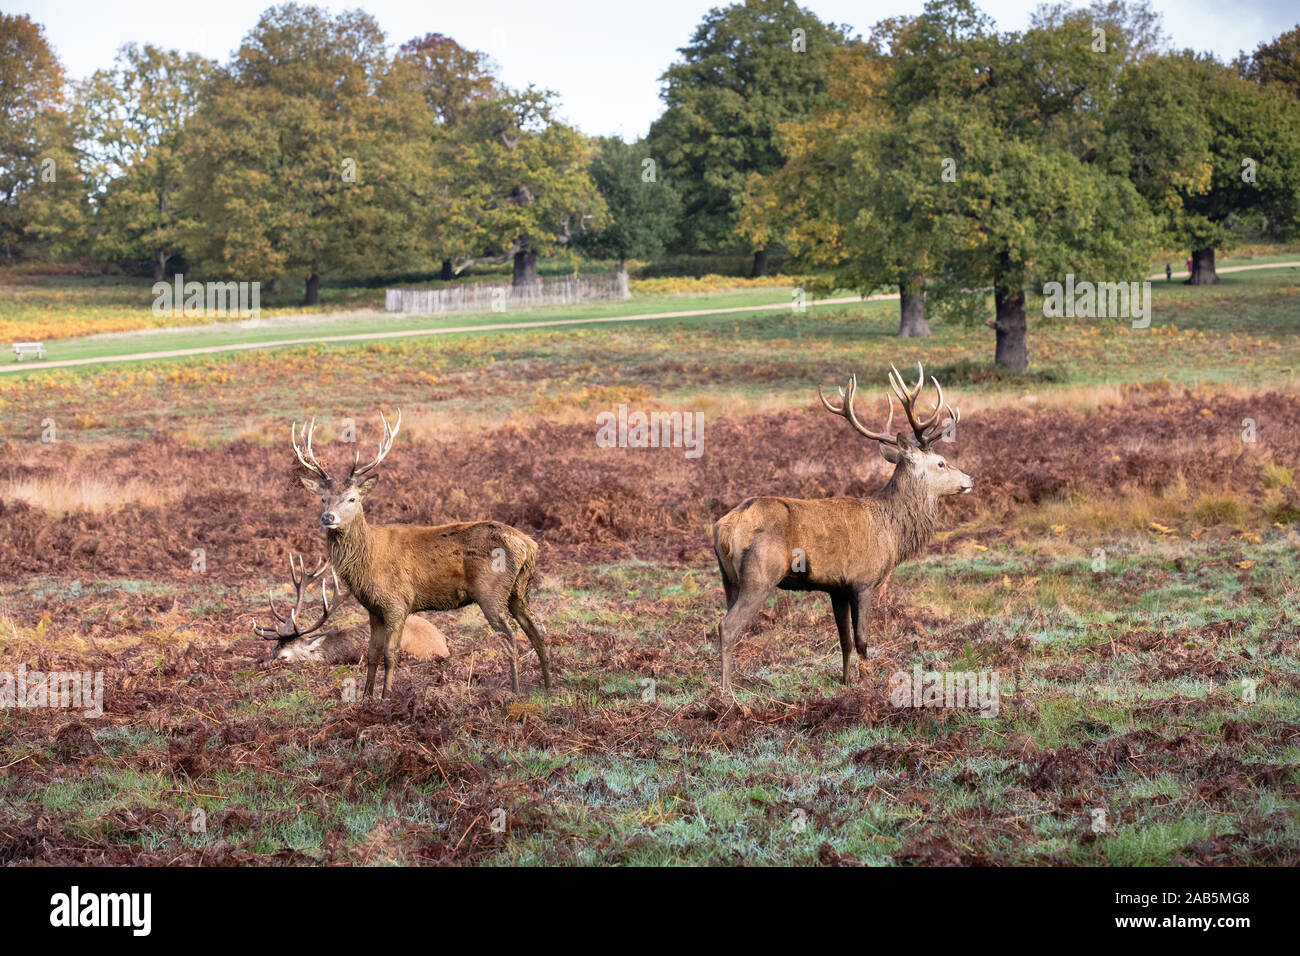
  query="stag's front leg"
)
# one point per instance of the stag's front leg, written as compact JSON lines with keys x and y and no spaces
{"x":393,"y":649}
{"x":842,"y":605}
{"x":378,"y":642}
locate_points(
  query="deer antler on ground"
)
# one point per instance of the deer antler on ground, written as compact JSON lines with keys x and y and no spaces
{"x":288,"y":626}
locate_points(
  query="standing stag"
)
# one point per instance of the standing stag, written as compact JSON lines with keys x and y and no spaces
{"x":396,"y":570}
{"x":297,"y":642}
{"x":846,"y":547}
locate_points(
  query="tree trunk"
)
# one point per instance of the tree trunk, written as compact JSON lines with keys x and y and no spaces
{"x":911,"y":308}
{"x":624,"y":292}
{"x":159,"y":265}
{"x":1011,"y":353}
{"x":760,"y":264}
{"x":1203,"y":267}
{"x":312,"y":296}
{"x":524,"y":282}
{"x":447,"y":274}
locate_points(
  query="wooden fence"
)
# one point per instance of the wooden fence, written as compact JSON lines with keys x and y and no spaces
{"x":494,"y":297}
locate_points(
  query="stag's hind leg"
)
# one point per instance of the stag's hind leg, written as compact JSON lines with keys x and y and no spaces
{"x":757,"y":581}
{"x":728,"y":586}
{"x":523,"y":614}
{"x":498,"y":621}
{"x":861,"y":605}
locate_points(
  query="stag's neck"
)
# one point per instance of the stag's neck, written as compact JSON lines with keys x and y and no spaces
{"x":351,"y":553}
{"x":910,"y":514}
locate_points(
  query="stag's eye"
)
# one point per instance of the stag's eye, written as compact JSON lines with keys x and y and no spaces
{"x":943,"y":464}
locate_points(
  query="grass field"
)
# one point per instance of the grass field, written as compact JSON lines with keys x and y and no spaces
{"x":1127,"y":566}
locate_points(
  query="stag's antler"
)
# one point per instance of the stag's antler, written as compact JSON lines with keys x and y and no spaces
{"x":385,"y":445}
{"x":310,"y":462}
{"x":846,"y":410}
{"x":926,"y":429}
{"x":288,"y":626}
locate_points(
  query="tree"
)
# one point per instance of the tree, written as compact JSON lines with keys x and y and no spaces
{"x":36,"y":139}
{"x":1024,"y":119}
{"x":894,"y":205}
{"x":530,"y":189}
{"x":456,"y":83}
{"x":748,"y":69}
{"x":310,"y":152}
{"x":838,"y":202}
{"x":1211,"y":152}
{"x":642,"y":211}
{"x":134,"y":117}
{"x":1274,"y":63}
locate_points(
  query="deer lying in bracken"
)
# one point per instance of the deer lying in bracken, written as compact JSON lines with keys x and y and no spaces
{"x":296,"y":643}
{"x":396,"y":570}
{"x":846,"y":547}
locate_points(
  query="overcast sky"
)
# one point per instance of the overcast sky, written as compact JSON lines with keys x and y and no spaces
{"x":604,"y":57}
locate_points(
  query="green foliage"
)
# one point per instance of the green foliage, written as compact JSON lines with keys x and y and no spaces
{"x":530,"y":191}
{"x":134,"y":118}
{"x":34,"y":129}
{"x":740,"y":78}
{"x":642,"y":211}
{"x":1275,"y":63}
{"x":308,"y":153}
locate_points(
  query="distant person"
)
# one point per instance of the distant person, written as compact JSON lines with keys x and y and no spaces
{"x":1169,"y":273}
{"x":1189,"y":265}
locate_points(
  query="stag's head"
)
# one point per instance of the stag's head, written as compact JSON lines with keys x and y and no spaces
{"x":341,"y":498}
{"x":911,"y":454}
{"x":294,"y":640}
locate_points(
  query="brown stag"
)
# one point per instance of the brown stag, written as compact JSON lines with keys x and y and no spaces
{"x":846,"y":547}
{"x":396,"y":570}
{"x":297,"y":642}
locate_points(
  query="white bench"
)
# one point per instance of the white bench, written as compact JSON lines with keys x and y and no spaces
{"x":22,"y":349}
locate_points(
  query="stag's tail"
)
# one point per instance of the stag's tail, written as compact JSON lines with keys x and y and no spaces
{"x":722,"y":540}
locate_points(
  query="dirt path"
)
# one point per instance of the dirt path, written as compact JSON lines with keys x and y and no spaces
{"x":496,"y":327}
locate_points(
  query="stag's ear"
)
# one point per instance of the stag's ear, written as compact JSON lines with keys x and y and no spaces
{"x":312,"y":484}
{"x":366,"y":486}
{"x":902,"y":450}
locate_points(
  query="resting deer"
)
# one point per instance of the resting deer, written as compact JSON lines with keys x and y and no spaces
{"x":846,"y":547}
{"x":396,"y":570}
{"x":296,"y":643}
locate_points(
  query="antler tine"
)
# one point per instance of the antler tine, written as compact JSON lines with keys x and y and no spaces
{"x":324,"y":599}
{"x":302,"y":582}
{"x":385,"y":446}
{"x":846,"y":411}
{"x":908,"y":397}
{"x":310,"y":462}
{"x":271,"y":633}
